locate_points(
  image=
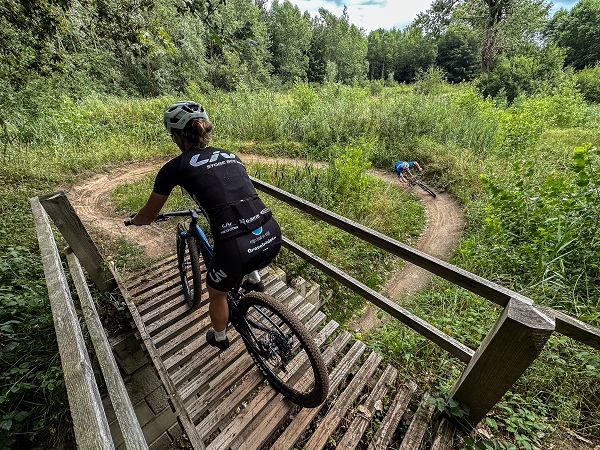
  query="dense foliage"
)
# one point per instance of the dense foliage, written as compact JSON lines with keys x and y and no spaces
{"x":84,"y":85}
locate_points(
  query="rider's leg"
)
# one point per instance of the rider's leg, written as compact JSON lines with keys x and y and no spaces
{"x":218,"y":310}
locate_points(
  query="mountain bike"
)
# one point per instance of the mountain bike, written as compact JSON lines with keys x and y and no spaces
{"x":275,"y":338}
{"x":415,"y":180}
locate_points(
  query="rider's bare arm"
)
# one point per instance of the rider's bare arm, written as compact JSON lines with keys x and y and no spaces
{"x":418,"y":166}
{"x":150,"y":210}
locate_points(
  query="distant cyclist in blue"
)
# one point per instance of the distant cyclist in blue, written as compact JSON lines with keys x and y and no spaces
{"x":404,"y":166}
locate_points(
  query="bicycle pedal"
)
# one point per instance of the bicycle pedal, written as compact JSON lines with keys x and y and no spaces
{"x":247,"y":286}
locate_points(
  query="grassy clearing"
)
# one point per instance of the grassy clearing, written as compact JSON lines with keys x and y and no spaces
{"x":457,"y":136}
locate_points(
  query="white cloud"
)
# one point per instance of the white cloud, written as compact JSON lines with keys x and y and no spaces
{"x":374,"y":14}
{"x":369,"y":14}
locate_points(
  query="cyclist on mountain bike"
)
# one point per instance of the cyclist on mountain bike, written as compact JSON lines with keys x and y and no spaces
{"x":404,"y":166}
{"x":246,"y":235}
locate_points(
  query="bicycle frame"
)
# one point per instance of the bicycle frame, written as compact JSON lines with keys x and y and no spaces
{"x":207,"y":252}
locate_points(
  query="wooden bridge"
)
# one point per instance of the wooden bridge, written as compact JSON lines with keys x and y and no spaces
{"x":223,"y":402}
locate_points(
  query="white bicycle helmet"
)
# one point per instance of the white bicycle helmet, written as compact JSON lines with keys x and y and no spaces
{"x":179,"y":114}
{"x":405,"y":166}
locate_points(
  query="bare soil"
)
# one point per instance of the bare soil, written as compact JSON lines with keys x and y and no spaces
{"x":442,"y":231}
{"x":444,"y":225}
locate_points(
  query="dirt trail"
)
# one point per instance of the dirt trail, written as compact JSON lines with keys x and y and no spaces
{"x":443,"y":227}
{"x":442,"y":231}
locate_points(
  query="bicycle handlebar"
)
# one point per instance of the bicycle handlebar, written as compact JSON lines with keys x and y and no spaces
{"x":165,"y":216}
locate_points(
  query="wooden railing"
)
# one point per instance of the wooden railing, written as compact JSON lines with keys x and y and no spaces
{"x":510,"y":347}
{"x":514,"y":342}
{"x":87,"y":411}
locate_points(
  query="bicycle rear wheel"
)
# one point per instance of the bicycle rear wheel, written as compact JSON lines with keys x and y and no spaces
{"x":283,"y":349}
{"x":188,"y":264}
{"x":426,"y":189}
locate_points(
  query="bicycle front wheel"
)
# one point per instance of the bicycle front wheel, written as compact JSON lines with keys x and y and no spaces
{"x":188,"y":263}
{"x":283,"y":349}
{"x":426,"y":189}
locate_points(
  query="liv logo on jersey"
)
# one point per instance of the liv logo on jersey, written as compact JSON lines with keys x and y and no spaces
{"x":217,"y":276}
{"x":257,"y":231}
{"x":194,"y":161}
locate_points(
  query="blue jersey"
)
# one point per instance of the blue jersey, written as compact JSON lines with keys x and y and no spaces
{"x":399,"y":166}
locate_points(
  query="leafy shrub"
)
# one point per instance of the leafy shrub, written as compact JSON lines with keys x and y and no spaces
{"x":32,"y":387}
{"x":522,"y":126}
{"x":566,"y":105}
{"x":545,"y":235}
{"x":430,"y":81}
{"x":376,"y":87}
{"x":537,"y":72}
{"x":588,"y":81}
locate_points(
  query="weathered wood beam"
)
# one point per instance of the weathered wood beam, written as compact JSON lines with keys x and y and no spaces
{"x":89,"y":419}
{"x":456,"y":275}
{"x":575,"y":329}
{"x":128,"y":422}
{"x":444,"y":436}
{"x":168,"y":384}
{"x":421,"y":326}
{"x":512,"y":345}
{"x":70,"y":226}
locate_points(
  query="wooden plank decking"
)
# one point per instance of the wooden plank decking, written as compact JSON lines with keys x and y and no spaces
{"x":223,"y":400}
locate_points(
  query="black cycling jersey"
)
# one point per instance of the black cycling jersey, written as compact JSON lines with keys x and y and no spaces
{"x":218,"y":180}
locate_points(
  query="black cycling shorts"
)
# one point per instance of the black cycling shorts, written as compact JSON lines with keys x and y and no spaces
{"x":233,"y":258}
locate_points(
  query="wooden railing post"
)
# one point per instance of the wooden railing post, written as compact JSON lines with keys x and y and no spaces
{"x":69,"y":224}
{"x":514,"y":342}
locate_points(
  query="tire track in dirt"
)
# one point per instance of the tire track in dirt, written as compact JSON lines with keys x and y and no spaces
{"x":443,"y":227}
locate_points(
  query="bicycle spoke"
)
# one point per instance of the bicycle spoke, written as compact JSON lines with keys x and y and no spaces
{"x":287,"y":364}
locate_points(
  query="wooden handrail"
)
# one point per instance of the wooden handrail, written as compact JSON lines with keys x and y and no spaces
{"x":565,"y":324}
{"x":128,"y":422}
{"x":456,"y":275}
{"x":70,"y":226}
{"x":421,"y":326}
{"x":89,"y":419}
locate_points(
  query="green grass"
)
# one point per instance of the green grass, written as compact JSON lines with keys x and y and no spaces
{"x":54,"y":141}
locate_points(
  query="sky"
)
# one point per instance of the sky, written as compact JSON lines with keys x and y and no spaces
{"x":374,"y":14}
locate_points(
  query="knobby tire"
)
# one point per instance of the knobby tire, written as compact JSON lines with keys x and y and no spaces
{"x":426,"y":189}
{"x":188,"y":263}
{"x":306,"y":383}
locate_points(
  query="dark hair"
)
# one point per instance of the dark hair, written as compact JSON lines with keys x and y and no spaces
{"x":198,"y":131}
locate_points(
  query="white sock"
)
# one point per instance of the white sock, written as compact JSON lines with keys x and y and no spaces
{"x":254,"y":277}
{"x":221,"y":335}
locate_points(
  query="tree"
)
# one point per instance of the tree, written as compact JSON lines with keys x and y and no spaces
{"x":458,"y":54}
{"x":414,"y":52}
{"x":290,"y":40}
{"x":27,"y":30}
{"x":380,"y":53}
{"x":537,"y":71}
{"x":578,"y":31}
{"x":402,"y":53}
{"x":248,"y":61}
{"x":500,"y":24}
{"x":338,"y":44}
